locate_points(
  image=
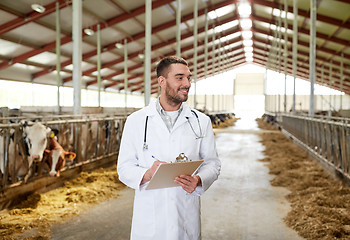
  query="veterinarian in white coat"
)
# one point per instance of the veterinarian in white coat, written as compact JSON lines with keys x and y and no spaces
{"x":161,"y":131}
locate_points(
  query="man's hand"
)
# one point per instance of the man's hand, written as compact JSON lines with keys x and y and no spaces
{"x":150,"y":172}
{"x":188,"y":183}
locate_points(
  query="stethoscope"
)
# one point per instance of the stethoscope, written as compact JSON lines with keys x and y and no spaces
{"x":145,"y":145}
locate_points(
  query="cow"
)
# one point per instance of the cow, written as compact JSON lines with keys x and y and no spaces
{"x":35,"y":138}
{"x":55,"y":156}
{"x":25,"y":147}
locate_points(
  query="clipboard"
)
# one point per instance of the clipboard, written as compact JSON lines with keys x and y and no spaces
{"x":167,"y":172}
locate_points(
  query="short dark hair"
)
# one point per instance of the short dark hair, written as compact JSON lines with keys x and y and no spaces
{"x":164,"y":64}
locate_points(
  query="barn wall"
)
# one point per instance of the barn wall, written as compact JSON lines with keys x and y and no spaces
{"x":213,"y":103}
{"x":274,"y":103}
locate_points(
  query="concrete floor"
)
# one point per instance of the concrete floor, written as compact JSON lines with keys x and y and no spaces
{"x":241,"y":204}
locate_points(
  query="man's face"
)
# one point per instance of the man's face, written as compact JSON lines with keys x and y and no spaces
{"x":177,"y":83}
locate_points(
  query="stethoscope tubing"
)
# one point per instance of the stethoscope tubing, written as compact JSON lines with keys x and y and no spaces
{"x":145,"y":145}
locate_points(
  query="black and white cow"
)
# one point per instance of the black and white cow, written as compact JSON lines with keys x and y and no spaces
{"x":31,"y":141}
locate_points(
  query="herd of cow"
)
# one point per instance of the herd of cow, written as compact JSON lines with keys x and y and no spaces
{"x":29,"y":149}
{"x":33,"y":143}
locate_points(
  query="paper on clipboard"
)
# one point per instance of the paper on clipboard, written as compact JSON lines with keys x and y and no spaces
{"x":167,"y":172}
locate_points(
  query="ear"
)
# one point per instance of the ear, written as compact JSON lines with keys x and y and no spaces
{"x":70,"y":156}
{"x":161,"y":81}
{"x":48,"y":131}
{"x":55,"y":131}
{"x":24,"y":123}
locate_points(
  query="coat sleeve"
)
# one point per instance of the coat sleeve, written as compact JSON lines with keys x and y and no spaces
{"x":129,"y":171}
{"x":210,"y":169}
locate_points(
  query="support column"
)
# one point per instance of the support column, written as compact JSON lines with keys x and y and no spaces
{"x":206,"y":45}
{"x":213,"y":51}
{"x":322,"y":80}
{"x":195,"y":43}
{"x":295,"y":47}
{"x":99,"y":64}
{"x":58,"y":55}
{"x":178,"y":28}
{"x":341,"y":80}
{"x":126,"y":73}
{"x":279,"y":55}
{"x":148,"y":44}
{"x":312,"y":57}
{"x":330,"y":84}
{"x":77,"y":54}
{"x":285,"y":54}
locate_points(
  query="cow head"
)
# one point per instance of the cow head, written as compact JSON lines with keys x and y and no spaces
{"x":35,"y":137}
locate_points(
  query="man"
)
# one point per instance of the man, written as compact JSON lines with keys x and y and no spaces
{"x":161,"y":131}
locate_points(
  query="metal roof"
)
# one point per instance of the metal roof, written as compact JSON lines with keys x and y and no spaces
{"x":28,"y":39}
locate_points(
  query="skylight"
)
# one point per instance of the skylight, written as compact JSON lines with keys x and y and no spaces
{"x":248,"y":43}
{"x":226,"y":26}
{"x":276,"y":12}
{"x":247,"y":34}
{"x":246,"y":23}
{"x":248,"y":49}
{"x":221,"y":11}
{"x":249,"y":59}
{"x":244,"y":9}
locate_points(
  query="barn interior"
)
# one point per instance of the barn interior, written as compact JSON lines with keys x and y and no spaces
{"x":82,"y":66}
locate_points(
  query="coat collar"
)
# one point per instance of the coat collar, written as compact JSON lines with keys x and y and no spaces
{"x":151,"y":111}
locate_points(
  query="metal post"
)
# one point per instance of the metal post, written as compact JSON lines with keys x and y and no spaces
{"x":279,"y":55}
{"x":213,"y":50}
{"x":195,"y":36}
{"x":77,"y":54}
{"x":341,"y":79}
{"x":99,"y":64}
{"x":285,"y":54}
{"x":219,"y":48}
{"x":178,"y":28}
{"x":295,"y":47}
{"x":206,"y":45}
{"x":312,"y":56}
{"x":322,"y":80}
{"x":331,"y":84}
{"x":213,"y":102}
{"x":58,"y":55}
{"x":265,"y":83}
{"x":126,"y":73}
{"x":148,"y":43}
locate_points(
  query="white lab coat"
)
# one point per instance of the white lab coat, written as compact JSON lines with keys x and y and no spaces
{"x":169,"y":213}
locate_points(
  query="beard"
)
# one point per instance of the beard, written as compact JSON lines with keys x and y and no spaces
{"x":174,"y":95}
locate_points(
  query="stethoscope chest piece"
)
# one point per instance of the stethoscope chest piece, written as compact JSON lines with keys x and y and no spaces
{"x":145,"y":146}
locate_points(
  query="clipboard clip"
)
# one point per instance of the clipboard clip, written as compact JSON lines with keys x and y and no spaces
{"x":182,"y":158}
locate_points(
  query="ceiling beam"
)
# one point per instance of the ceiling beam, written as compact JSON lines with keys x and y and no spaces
{"x":305,"y":31}
{"x":135,"y":37}
{"x":32,"y":16}
{"x":64,"y":40}
{"x":306,"y":14}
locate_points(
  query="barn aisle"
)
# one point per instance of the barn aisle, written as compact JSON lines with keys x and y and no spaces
{"x":108,"y":220}
{"x":242,"y":204}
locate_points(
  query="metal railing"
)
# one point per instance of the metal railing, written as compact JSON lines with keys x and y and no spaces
{"x":327,"y":138}
{"x":91,"y":137}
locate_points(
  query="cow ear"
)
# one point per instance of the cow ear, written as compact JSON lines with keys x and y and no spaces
{"x":70,"y":155}
{"x":48,"y":130}
{"x":54,"y":131}
{"x":24,"y":123}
